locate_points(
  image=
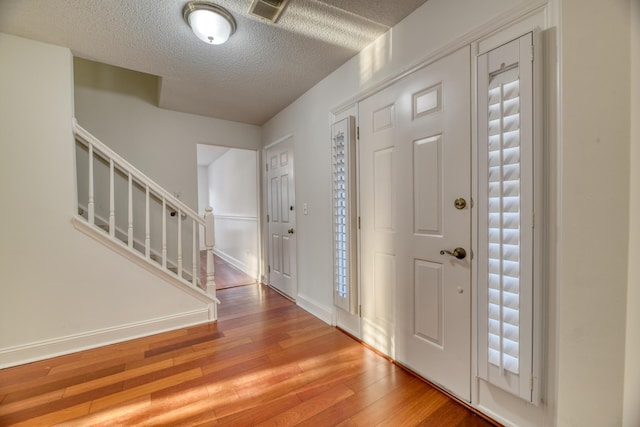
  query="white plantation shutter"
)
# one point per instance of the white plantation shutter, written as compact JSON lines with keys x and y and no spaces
{"x":344,"y":220}
{"x":505,"y":218}
{"x":503,"y":158}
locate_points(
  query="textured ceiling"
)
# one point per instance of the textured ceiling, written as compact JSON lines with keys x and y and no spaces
{"x":259,"y":71}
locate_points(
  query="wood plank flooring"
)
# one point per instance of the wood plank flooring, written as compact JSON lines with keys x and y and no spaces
{"x":226,"y":275}
{"x":265,"y":362}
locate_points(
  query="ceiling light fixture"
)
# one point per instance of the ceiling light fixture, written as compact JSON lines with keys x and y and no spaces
{"x":209,"y":22}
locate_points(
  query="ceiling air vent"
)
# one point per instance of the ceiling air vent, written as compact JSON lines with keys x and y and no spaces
{"x":268,"y":9}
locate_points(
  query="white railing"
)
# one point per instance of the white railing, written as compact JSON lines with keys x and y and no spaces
{"x":170,"y":204}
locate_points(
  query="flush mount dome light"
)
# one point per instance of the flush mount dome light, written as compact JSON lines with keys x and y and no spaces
{"x":209,"y":22}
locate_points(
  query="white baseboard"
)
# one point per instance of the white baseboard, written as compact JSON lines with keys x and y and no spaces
{"x":322,"y":312}
{"x":32,"y":352}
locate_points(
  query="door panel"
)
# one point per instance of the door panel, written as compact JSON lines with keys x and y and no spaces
{"x":383,"y":204}
{"x":280,"y":200}
{"x":274,"y":200}
{"x":415,"y":149}
{"x":427,"y":307}
{"x":427,"y":184}
{"x":284,"y":198}
{"x":385,"y":273}
{"x":286,"y":256}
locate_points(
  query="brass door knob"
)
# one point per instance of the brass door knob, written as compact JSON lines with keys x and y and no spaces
{"x":459,"y":253}
{"x":460,"y":203}
{"x":290,"y":231}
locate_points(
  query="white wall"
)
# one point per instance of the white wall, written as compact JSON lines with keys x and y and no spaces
{"x":203,"y":198}
{"x":60,"y":290}
{"x":594,"y":211}
{"x":631,"y":415}
{"x":233,"y":188}
{"x":203,"y":188}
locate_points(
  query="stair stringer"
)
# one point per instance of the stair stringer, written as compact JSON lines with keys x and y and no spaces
{"x":117,"y":246}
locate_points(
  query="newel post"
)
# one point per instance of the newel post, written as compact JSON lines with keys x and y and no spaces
{"x":209,"y":241}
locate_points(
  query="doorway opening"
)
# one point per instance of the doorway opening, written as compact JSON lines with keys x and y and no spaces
{"x":228,"y":182}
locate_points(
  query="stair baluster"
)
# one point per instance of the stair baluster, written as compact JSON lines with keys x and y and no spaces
{"x":91,"y":201}
{"x":209,"y":238}
{"x":130,"y":219}
{"x":179,"y":272}
{"x":164,"y":233}
{"x":194,"y":267}
{"x":147,"y":225}
{"x":112,"y":203}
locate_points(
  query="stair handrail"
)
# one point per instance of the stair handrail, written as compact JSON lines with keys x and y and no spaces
{"x":206,"y":221}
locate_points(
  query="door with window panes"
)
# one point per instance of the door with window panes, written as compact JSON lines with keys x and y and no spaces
{"x":415,"y":187}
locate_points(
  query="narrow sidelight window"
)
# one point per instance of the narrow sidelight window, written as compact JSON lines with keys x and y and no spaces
{"x":507,"y":185}
{"x":344,"y":219}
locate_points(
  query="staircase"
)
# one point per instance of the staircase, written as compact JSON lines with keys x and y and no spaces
{"x":125,"y":210}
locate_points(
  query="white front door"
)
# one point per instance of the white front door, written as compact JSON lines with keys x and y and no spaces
{"x":282,"y":218}
{"x":415,"y":171}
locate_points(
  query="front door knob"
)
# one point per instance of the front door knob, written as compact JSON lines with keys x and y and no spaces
{"x":459,"y":253}
{"x":290,"y":231}
{"x":460,"y":203}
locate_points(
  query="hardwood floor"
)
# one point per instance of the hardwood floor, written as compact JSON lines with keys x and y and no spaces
{"x":265,"y":362}
{"x":226,"y":275}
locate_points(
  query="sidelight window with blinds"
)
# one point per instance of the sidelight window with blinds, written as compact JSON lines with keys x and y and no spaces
{"x":508,"y":272}
{"x":344,"y":219}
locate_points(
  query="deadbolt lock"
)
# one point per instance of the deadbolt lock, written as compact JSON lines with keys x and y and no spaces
{"x":460,"y":203}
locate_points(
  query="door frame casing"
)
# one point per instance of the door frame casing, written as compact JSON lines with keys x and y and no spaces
{"x":258,"y":198}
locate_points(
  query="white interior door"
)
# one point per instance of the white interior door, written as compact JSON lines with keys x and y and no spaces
{"x":415,"y":159}
{"x":282,"y":218}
